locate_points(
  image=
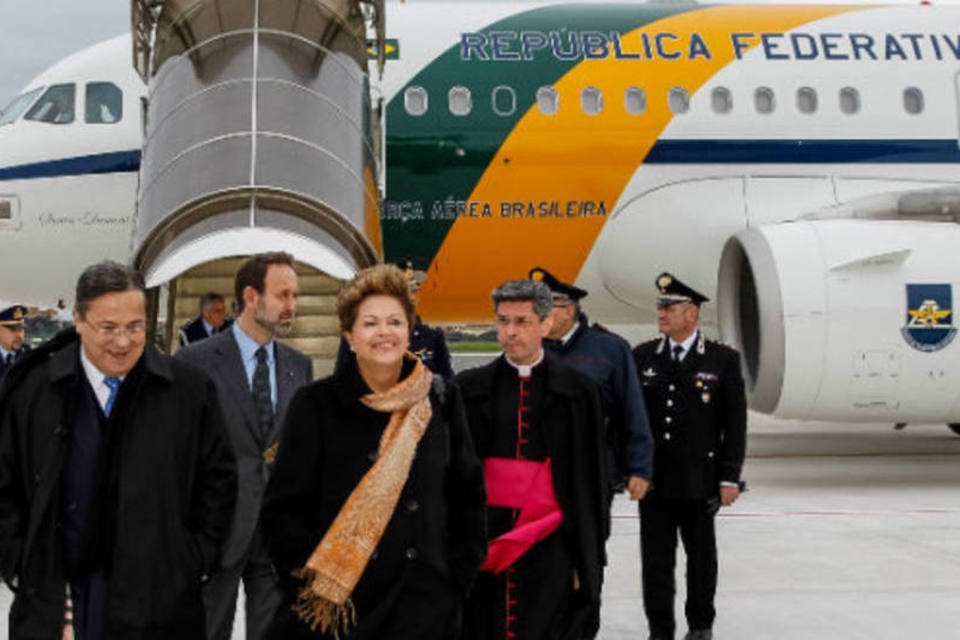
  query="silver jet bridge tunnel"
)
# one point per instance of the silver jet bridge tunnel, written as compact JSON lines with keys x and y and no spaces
{"x":259,"y":134}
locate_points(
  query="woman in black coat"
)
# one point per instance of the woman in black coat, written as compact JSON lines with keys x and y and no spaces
{"x":377,"y":463}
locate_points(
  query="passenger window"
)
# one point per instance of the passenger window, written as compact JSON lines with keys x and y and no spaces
{"x":460,"y":101}
{"x":16,"y":107}
{"x":55,"y":105}
{"x":504,"y":100}
{"x":591,"y":101}
{"x":807,"y":100}
{"x":849,"y":100}
{"x":635,"y":101}
{"x":763,"y":100}
{"x":913,"y":100}
{"x":104,"y":103}
{"x":415,"y":100}
{"x":548,"y":100}
{"x":721,"y":100}
{"x":678,"y":100}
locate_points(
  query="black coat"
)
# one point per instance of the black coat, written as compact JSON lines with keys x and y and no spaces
{"x":572,"y":417}
{"x":194,"y":331}
{"x":175,"y":485}
{"x":698,"y":416}
{"x":436,"y":539}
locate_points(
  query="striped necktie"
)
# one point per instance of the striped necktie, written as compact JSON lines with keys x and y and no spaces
{"x":262,"y":398}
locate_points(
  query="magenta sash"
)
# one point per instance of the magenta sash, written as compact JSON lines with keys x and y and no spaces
{"x":527,"y":486}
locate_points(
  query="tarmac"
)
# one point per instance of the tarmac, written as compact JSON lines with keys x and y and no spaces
{"x":847,"y":532}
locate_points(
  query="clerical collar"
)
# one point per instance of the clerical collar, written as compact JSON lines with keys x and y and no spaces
{"x":525,"y":370}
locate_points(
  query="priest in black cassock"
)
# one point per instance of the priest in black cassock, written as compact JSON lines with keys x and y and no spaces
{"x":537,"y":425}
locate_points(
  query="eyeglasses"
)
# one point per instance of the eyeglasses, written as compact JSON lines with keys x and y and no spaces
{"x":110,"y":331}
{"x":520,"y":321}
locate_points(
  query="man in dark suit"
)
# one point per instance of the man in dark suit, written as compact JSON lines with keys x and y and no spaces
{"x":694,"y":395}
{"x":117,"y":481}
{"x":212,"y":319}
{"x":255,"y":376}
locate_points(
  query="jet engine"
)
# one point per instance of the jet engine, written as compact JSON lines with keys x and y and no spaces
{"x":847,"y":320}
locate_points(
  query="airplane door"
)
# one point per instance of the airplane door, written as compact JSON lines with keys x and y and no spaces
{"x":956,"y":85}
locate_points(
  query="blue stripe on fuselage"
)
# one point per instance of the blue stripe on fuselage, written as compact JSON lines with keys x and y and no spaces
{"x":663,"y":152}
{"x":804,"y":152}
{"x":116,"y":162}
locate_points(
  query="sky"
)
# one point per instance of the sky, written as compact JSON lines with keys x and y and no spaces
{"x":34,"y":34}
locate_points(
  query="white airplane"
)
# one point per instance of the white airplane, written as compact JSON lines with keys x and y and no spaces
{"x":799,"y":164}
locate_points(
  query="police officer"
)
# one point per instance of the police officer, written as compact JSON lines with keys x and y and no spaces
{"x":605,"y":358}
{"x":11,"y":336}
{"x":694,"y":393}
{"x":426,"y":342}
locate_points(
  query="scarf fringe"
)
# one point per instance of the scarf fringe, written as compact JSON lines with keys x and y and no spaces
{"x":318,"y":611}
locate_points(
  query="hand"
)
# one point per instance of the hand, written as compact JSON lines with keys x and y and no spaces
{"x":637,"y":487}
{"x":576,"y":580}
{"x":728,"y":494}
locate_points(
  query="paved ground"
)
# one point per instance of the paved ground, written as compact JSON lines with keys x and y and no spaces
{"x":847,"y":532}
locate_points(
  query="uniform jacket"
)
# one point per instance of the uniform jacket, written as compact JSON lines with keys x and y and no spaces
{"x":219,"y":356}
{"x":18,"y":355}
{"x":175,"y":491}
{"x":437,"y":535}
{"x":605,"y":358}
{"x":194,"y":331}
{"x":698,"y":416}
{"x":572,"y":416}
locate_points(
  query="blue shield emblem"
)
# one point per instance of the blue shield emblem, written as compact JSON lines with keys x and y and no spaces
{"x":930,"y":325}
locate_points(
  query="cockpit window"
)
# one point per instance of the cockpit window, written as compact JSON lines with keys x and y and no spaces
{"x":18,"y":105}
{"x":55,"y":105}
{"x":104,"y":103}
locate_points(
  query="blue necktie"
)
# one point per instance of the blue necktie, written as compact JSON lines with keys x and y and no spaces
{"x":114,"y":383}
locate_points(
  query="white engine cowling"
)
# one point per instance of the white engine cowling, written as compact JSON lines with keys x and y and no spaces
{"x":821,"y":313}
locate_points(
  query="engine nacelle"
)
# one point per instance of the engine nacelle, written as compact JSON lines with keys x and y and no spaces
{"x":845,"y":320}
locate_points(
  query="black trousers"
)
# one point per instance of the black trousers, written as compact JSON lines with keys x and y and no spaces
{"x":659,"y":522}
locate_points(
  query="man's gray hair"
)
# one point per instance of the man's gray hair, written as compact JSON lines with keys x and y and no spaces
{"x":525,"y":291}
{"x":102,"y":278}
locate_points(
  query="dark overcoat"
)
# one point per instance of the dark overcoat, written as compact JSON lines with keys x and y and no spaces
{"x":433,"y":545}
{"x":698,"y":417}
{"x":605,"y":358}
{"x":573,"y":431}
{"x":175,"y":481}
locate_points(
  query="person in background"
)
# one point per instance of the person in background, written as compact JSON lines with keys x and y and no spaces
{"x":12,"y":334}
{"x":256,"y":376}
{"x":698,"y":413}
{"x":605,"y":358}
{"x":375,"y":512}
{"x":117,"y":481}
{"x":538,"y":427}
{"x":212,"y":319}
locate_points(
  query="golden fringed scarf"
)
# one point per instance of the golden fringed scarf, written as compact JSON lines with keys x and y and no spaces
{"x":339,"y":560}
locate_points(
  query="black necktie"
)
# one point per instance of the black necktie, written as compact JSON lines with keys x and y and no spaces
{"x":677,"y":352}
{"x":9,"y":359}
{"x":261,"y":393}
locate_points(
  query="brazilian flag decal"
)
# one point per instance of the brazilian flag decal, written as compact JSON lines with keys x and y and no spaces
{"x":392,"y":46}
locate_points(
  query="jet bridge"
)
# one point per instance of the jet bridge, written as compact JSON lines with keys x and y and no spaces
{"x":258,"y":134}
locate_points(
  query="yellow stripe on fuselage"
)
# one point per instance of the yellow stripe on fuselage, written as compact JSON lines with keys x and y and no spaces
{"x":572,"y":157}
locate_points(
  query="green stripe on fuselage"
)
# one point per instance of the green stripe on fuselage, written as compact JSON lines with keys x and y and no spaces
{"x":435,"y":160}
